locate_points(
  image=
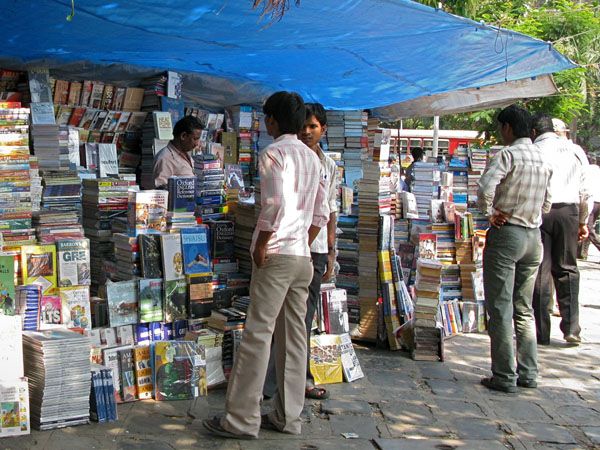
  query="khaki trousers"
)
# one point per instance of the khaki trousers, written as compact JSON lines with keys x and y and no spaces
{"x":277,"y":310}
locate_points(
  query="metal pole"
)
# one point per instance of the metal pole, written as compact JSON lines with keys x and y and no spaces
{"x":436,"y":132}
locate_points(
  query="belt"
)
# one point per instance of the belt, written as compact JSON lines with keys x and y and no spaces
{"x":562,"y":205}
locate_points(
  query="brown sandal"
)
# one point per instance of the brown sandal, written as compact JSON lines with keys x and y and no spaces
{"x":316,"y":393}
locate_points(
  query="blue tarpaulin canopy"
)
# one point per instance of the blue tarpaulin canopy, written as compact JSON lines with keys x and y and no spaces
{"x":346,"y":54}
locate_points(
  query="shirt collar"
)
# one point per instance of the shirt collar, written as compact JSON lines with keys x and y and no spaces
{"x":286,"y":136}
{"x":521,"y":141}
{"x":548,"y":135}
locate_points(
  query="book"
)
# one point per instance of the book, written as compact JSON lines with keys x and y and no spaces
{"x":143,"y":371}
{"x":150,"y":255}
{"x":42,"y":114}
{"x":75,"y":304}
{"x":50,"y":312}
{"x":96,"y":95}
{"x":146,"y":212}
{"x":326,"y":359}
{"x":163,"y":125}
{"x":427,"y":246}
{"x":194,"y":246}
{"x":180,"y":370}
{"x":38,"y":265}
{"x":111,"y":361}
{"x":350,"y":362}
{"x":175,"y":300}
{"x":222,"y":238}
{"x":7,"y":285}
{"x":200,"y":295}
{"x":14,"y":407}
{"x":151,"y":304}
{"x":172,"y":258}
{"x":182,"y":194}
{"x":108,"y":163}
{"x":73,"y":257}
{"x":122,"y":303}
{"x":127,"y":375}
{"x":11,"y":350}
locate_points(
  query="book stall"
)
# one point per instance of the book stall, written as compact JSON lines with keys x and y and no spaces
{"x":112,"y":291}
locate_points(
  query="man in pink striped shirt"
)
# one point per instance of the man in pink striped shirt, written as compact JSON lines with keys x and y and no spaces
{"x":294,"y":209}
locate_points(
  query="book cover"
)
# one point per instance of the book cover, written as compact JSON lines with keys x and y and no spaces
{"x":180,"y":370}
{"x":96,"y":95}
{"x":143,"y":371}
{"x":350,"y":362}
{"x":111,"y":361}
{"x":449,"y":212}
{"x":14,"y":408}
{"x":50,"y":312}
{"x":38,"y":265}
{"x":7,"y":285}
{"x":222,"y":237}
{"x":133,"y":99}
{"x":172,"y":258}
{"x":86,"y":92}
{"x":73,"y":262}
{"x":61,"y":92}
{"x":11,"y":350}
{"x":175,"y":107}
{"x":74,"y":93}
{"x":427,"y":246}
{"x":107,"y":161}
{"x":477,"y":279}
{"x":194,"y":245}
{"x":175,"y":300}
{"x":151,"y":304}
{"x":122,"y":303}
{"x":42,"y":114}
{"x":163,"y":125}
{"x":107,"y":96}
{"x":118,"y":98}
{"x":326,"y":359}
{"x":146,"y":212}
{"x":39,"y":85}
{"x":75,"y":304}
{"x":437,"y":211}
{"x":200,"y":295}
{"x":337,"y":307}
{"x":125,"y":335}
{"x":182,"y":194}
{"x":150,"y":255}
{"x":127,"y":375}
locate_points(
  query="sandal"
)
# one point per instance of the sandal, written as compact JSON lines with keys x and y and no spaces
{"x":214,"y":426}
{"x":316,"y":393}
{"x":266,"y":424}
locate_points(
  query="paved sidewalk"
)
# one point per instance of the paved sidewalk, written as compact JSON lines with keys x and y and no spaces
{"x":400,"y":404}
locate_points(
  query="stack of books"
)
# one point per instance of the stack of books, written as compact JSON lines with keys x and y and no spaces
{"x":157,"y":131}
{"x":45,"y":134}
{"x":356,"y":146}
{"x":182,"y":202}
{"x":245,"y":126}
{"x":36,"y":183}
{"x":426,"y":186}
{"x":451,"y":283}
{"x":445,"y":244}
{"x":15,"y":182}
{"x":245,"y":222}
{"x":57,"y":363}
{"x":478,"y":159}
{"x":211,"y":198}
{"x":28,"y":305}
{"x":126,"y":262}
{"x":460,"y":188}
{"x":347,"y":258}
{"x":335,"y":131}
{"x":472,"y":187}
{"x":427,"y":334}
{"x":460,"y":158}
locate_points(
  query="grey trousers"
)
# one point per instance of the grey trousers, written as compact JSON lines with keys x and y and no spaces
{"x":278,"y":293}
{"x":511,"y":259}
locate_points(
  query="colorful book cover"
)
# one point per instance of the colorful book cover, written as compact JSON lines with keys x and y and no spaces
{"x":143,"y":371}
{"x":76,"y":310}
{"x":73,"y":262}
{"x":326,"y":359}
{"x":172,"y":257}
{"x":194,"y":245}
{"x":175,"y":300}
{"x":163,"y":125}
{"x":38,"y":263}
{"x":147,"y":212}
{"x":350,"y":362}
{"x":14,"y":408}
{"x":127,"y":375}
{"x":200,"y":295}
{"x":111,"y":360}
{"x":427,"y":246}
{"x":7,"y":284}
{"x":122,"y":303}
{"x":180,"y":370}
{"x":151,"y":304}
{"x":182,"y":194}
{"x":50,"y":312}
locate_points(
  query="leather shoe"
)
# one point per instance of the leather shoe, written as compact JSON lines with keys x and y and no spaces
{"x":527,"y":383}
{"x":490,"y":383}
{"x":572,"y":339}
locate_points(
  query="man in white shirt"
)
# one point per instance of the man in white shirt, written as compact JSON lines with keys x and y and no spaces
{"x":561,"y":228}
{"x":294,"y":209}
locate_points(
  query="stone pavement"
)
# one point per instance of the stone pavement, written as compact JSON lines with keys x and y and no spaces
{"x":400,"y":404}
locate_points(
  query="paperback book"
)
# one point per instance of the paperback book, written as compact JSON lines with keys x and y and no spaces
{"x":75,"y":302}
{"x":122,"y":303}
{"x":50,"y":312}
{"x":150,"y":255}
{"x":143,"y":371}
{"x":127,"y":375}
{"x":73,"y":262}
{"x":194,"y":245}
{"x":7,"y":285}
{"x":175,"y":300}
{"x":172,"y":258}
{"x":151,"y":305}
{"x":326,"y":359}
{"x":38,"y":263}
{"x":180,"y":370}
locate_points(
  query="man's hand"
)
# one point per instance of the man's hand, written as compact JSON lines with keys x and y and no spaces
{"x":330,"y":265}
{"x":260,"y":255}
{"x":584,"y":232}
{"x":499,"y":218}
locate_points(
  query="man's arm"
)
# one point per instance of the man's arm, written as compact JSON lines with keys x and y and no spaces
{"x":494,"y":174}
{"x":259,"y":255}
{"x":320,"y":210}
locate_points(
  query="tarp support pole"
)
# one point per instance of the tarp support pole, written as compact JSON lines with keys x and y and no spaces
{"x":436,"y":133}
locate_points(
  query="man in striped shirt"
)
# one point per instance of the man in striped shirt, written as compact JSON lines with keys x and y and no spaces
{"x":561,"y":228}
{"x":294,"y":209}
{"x":513,"y":192}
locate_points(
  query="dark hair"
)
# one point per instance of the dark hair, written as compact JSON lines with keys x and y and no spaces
{"x":417,"y":153}
{"x":288,"y":109}
{"x":187,"y":125}
{"x":316,"y":110}
{"x":519,"y":120}
{"x":542,"y":123}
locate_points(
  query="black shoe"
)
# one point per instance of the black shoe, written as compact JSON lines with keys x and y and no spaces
{"x":572,"y":339}
{"x":532,"y":384}
{"x":543,"y":342}
{"x":491,"y":384}
{"x":214,"y":426}
{"x":266,"y":424}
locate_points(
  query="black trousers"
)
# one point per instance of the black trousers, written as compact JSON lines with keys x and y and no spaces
{"x":559,"y":230}
{"x":319,"y":261}
{"x":593,"y":237}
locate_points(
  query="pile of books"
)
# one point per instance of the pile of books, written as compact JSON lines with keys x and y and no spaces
{"x":126,"y":262}
{"x":182,"y":202}
{"x":472,"y":187}
{"x":478,"y":158}
{"x":28,"y":305}
{"x":427,"y":334}
{"x":45,"y":134}
{"x":245,"y":222}
{"x":103,"y":407}
{"x":157,"y":131}
{"x":460,"y":188}
{"x":425,"y":186}
{"x":211,"y":199}
{"x":57,"y":363}
{"x":246,"y":127}
{"x":347,"y":258}
{"x":445,"y":244}
{"x":15,"y":183}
